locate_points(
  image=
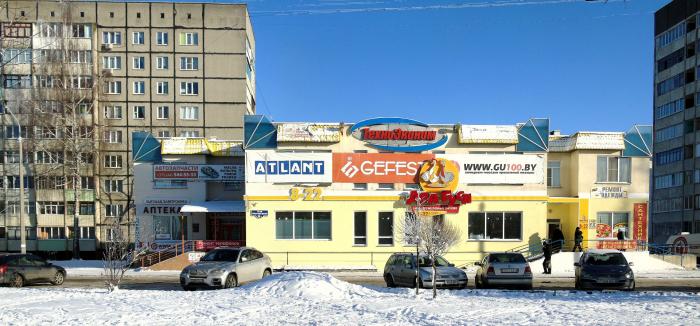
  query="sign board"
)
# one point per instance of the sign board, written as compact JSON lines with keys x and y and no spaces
{"x":308,"y":132}
{"x":639,"y":224}
{"x":438,"y":178}
{"x":487,"y":134}
{"x":258,"y":213}
{"x":438,"y":174}
{"x":609,"y":192}
{"x":398,"y":134}
{"x":194,"y":257}
{"x":499,"y":168}
{"x":198,"y":172}
{"x":206,"y":245}
{"x":377,"y":167}
{"x":616,"y":244}
{"x":187,"y":146}
{"x":267,"y":166}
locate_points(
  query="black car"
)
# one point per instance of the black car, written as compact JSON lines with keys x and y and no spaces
{"x":604,"y":269}
{"x":20,"y":269}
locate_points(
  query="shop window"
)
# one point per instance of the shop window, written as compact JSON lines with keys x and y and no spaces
{"x":169,"y":227}
{"x":411,"y":186}
{"x":195,"y":227}
{"x":170,"y":184}
{"x":386,"y":229}
{"x":609,"y":223}
{"x":360,"y":234}
{"x":385,"y":186}
{"x":359,"y":186}
{"x":303,"y":225}
{"x":613,"y":169}
{"x":553,"y":174}
{"x":495,"y":226}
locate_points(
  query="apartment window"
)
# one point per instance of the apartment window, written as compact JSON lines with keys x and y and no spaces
{"x":360,"y":234}
{"x":162,"y":38}
{"x":52,"y":207}
{"x":81,"y":56}
{"x":189,"y":88}
{"x":189,"y":63}
{"x":189,"y":38}
{"x":112,"y":62}
{"x":113,"y":112}
{"x":359,"y":186}
{"x":139,"y":112}
{"x":113,"y":161}
{"x":46,"y":157}
{"x":669,"y":156}
{"x":113,"y":136}
{"x":385,"y":236}
{"x":613,"y":169}
{"x":668,"y":181}
{"x":52,"y":233}
{"x":81,"y":82}
{"x":670,"y":84}
{"x":47,"y":133}
{"x":17,"y":56}
{"x":139,"y":63}
{"x":114,"y":186}
{"x":81,"y":30}
{"x":189,"y":133}
{"x":13,"y":233}
{"x":162,"y":15}
{"x":495,"y":226}
{"x":162,"y":88}
{"x":161,"y":63}
{"x":303,"y":225}
{"x":114,"y":210}
{"x":385,"y":186}
{"x":14,"y":132}
{"x":139,"y":87}
{"x":86,"y":182}
{"x":15,"y":29}
{"x":51,"y":30}
{"x":163,"y":112}
{"x":553,"y":174}
{"x":113,"y":87}
{"x":12,"y":182}
{"x":114,"y":38}
{"x":164,"y":134}
{"x":670,"y":36}
{"x":3,"y":234}
{"x":670,"y":132}
{"x":17,"y":81}
{"x":87,"y":232}
{"x":137,"y":38}
{"x":189,"y":112}
{"x":609,"y":223}
{"x":13,"y":157}
{"x":49,"y":182}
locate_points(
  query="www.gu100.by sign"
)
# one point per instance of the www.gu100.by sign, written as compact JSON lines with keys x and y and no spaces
{"x":398,"y":134}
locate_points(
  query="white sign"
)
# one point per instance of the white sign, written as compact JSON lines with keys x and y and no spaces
{"x":194,"y":257}
{"x":198,"y":172}
{"x":308,"y":132}
{"x":487,"y":134}
{"x":499,"y":168}
{"x":267,"y":166}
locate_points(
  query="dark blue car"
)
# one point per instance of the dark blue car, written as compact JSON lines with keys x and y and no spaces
{"x":604,"y":269}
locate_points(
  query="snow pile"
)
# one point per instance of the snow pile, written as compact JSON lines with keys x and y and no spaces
{"x":563,"y":263}
{"x":307,"y":284}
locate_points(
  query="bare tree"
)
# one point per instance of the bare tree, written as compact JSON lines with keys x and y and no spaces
{"x":410,"y":228}
{"x":120,"y":254}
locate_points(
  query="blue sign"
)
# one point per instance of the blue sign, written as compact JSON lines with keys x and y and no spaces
{"x":398,"y":134}
{"x":258,"y":213}
{"x":290,"y":167}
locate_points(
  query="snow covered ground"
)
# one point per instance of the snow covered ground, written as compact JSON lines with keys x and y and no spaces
{"x":302,"y":298}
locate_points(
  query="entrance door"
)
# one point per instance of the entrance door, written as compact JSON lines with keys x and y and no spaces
{"x":230,"y":231}
{"x":551,"y":226}
{"x":226,"y":227}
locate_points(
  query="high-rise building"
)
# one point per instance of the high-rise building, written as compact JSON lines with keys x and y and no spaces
{"x":676,"y":165}
{"x":172,"y":69}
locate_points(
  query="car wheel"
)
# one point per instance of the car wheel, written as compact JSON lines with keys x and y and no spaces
{"x":389,"y":280}
{"x":466,"y":285}
{"x":17,"y":281}
{"x":577,"y":285}
{"x":231,"y":281}
{"x":58,"y":278}
{"x":266,"y":273}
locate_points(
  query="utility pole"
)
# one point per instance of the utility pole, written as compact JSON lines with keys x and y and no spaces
{"x":22,"y":226}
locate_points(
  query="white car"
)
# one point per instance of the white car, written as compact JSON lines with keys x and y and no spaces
{"x":226,"y":268}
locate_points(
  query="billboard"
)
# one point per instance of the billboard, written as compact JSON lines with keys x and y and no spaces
{"x":487,"y":134}
{"x":267,"y":166}
{"x":398,"y":135}
{"x":377,"y":167}
{"x":639,"y":225}
{"x":308,"y":132}
{"x":198,"y":172}
{"x":499,"y":168}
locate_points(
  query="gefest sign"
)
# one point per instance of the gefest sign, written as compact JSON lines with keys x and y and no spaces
{"x":377,"y":167}
{"x":398,"y":134}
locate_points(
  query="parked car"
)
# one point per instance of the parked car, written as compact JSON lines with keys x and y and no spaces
{"x":18,"y":270}
{"x":400,"y":270}
{"x":604,"y":269}
{"x":503,"y":269}
{"x":226,"y":268}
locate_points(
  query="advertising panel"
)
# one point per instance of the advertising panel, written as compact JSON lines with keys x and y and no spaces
{"x":486,"y":134}
{"x":266,"y":166}
{"x":377,"y":167}
{"x":639,"y":225}
{"x":198,"y":172}
{"x":398,"y":134}
{"x":499,"y":168}
{"x":609,"y":192}
{"x":308,"y":132}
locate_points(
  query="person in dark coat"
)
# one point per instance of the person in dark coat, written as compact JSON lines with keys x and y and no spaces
{"x":620,"y":234}
{"x":547,"y":252}
{"x":557,"y":240}
{"x":578,"y":238}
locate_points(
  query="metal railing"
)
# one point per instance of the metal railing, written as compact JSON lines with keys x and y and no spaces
{"x":151,"y":259}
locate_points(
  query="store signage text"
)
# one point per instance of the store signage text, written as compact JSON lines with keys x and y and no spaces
{"x":609,"y":192}
{"x":499,"y":169}
{"x":398,"y":134}
{"x":377,"y":167}
{"x":639,"y":226}
{"x":289,"y":167}
{"x":258,"y":213}
{"x":444,"y":197}
{"x":305,"y":193}
{"x":162,"y":210}
{"x":198,"y":172}
{"x":269,"y":166}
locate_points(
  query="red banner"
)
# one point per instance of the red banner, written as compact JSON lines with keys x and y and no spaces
{"x":206,"y":245}
{"x":639,"y":226}
{"x":377,"y":167}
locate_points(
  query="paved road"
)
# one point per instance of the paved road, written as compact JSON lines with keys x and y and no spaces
{"x":171,"y":283}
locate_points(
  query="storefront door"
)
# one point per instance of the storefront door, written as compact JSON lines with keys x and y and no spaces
{"x":226,"y":227}
{"x":551,"y":226}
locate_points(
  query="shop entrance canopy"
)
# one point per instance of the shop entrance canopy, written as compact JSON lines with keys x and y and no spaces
{"x":230,"y":206}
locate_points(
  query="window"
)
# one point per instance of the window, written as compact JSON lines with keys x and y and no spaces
{"x":359,"y":186}
{"x":385,"y":235}
{"x":14,"y":132}
{"x":15,"y":29}
{"x":189,"y":112}
{"x":13,"y":233}
{"x":303,"y":225}
{"x":79,"y":56}
{"x":162,"y":88}
{"x":50,"y":30}
{"x":670,"y":36}
{"x":233,"y":186}
{"x":45,"y":157}
{"x":52,"y":207}
{"x":113,"y":161}
{"x":139,"y":63}
{"x":113,"y":87}
{"x":17,"y":81}
{"x":81,"y":82}
{"x":670,"y":84}
{"x":168,"y":227}
{"x":385,"y":186}
{"x":360,"y":235}
{"x":139,"y":87}
{"x":113,"y":112}
{"x":13,"y":208}
{"x":667,"y":133}
{"x":49,"y":182}
{"x":137,"y":38}
{"x":553,"y":174}
{"x":669,"y":156}
{"x":189,"y":63}
{"x":81,"y":30}
{"x":114,"y":38}
{"x":113,"y":136}
{"x":162,"y":38}
{"x":610,"y":222}
{"x":54,"y":232}
{"x":86,"y":232}
{"x":613,"y":169}
{"x":163,"y":112}
{"x":189,"y":38}
{"x":189,"y":88}
{"x":170,"y":184}
{"x":3,"y":234}
{"x":13,"y":157}
{"x":668,"y":181}
{"x":12,"y":182}
{"x":670,"y":60}
{"x":495,"y":226}
{"x":113,"y":186}
{"x":47,"y":133}
{"x":189,"y":133}
{"x":87,"y":183}
{"x":112,"y":62}
{"x":161,"y":62}
{"x":17,"y":56}
{"x":114,"y":210}
{"x":164,"y":134}
{"x":139,"y":112}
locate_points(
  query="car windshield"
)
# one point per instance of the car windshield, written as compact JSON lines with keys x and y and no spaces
{"x":606,"y":259}
{"x":221,"y":255}
{"x":506,"y":258}
{"x":427,"y":262}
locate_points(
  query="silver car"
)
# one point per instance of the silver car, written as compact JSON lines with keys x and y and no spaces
{"x":226,"y":268}
{"x":400,"y":270}
{"x":503,"y":269}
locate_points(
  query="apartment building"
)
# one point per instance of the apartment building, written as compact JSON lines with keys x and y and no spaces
{"x":172,"y":69}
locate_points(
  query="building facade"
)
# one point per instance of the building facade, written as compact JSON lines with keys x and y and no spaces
{"x":676,"y":176}
{"x":172,"y":69}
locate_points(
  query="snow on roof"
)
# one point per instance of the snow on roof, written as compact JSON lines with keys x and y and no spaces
{"x":587,"y":140}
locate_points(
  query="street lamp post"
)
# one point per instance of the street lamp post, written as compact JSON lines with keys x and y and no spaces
{"x":22,"y":226}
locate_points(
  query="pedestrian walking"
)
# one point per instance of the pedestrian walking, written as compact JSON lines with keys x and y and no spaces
{"x":578,"y":239}
{"x":547,"y":252}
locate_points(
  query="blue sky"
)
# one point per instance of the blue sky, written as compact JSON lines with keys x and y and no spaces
{"x":587,"y":66}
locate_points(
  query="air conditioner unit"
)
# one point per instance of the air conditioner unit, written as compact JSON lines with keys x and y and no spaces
{"x":107,"y":47}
